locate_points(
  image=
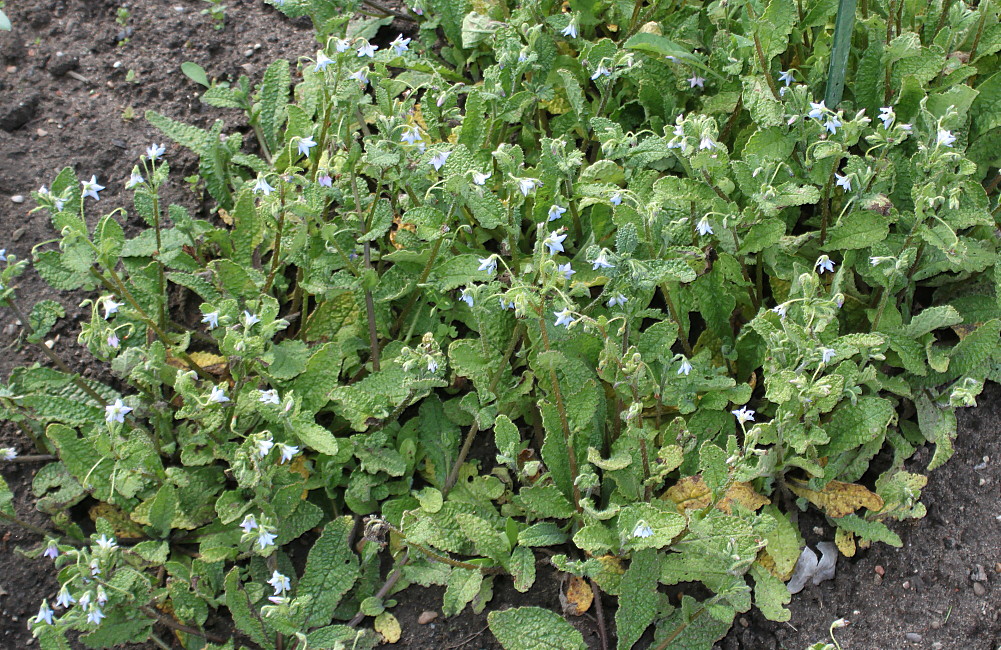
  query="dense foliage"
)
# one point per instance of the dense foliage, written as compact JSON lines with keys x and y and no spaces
{"x":676,"y":281}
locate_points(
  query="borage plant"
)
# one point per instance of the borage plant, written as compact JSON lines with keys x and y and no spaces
{"x":625,"y":248}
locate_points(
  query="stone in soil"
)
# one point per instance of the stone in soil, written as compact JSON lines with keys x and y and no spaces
{"x":17,"y":111}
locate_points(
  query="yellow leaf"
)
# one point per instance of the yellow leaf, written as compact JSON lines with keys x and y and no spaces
{"x":691,"y":493}
{"x":838,"y":499}
{"x":578,"y":596}
{"x":387,"y":625}
{"x":845,"y":541}
{"x":124,"y":527}
{"x":226,"y":217}
{"x":211,"y":363}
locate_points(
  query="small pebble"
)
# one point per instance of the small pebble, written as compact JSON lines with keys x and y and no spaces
{"x":11,"y":69}
{"x":878,"y":580}
{"x":426,"y":617}
{"x":936,"y":624}
{"x":913,"y":636}
{"x":248,"y":53}
{"x":51,"y":344}
{"x":979,"y":588}
{"x":744,"y":622}
{"x":179,"y":9}
{"x":880,"y":570}
{"x":17,"y":198}
{"x":907,"y":584}
{"x":997,"y":567}
{"x":18,"y":233}
{"x":978,"y":574}
{"x":937,"y":645}
{"x":41,"y":133}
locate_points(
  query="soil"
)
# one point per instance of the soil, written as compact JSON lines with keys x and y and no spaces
{"x":65,"y":87}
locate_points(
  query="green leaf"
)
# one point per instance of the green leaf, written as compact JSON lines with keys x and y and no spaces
{"x":463,"y":586}
{"x":43,"y":316}
{"x":195,"y":72}
{"x":873,"y":531}
{"x":163,"y":510}
{"x":274,"y":94}
{"x":317,"y":437}
{"x":522,"y":568}
{"x":853,"y":425}
{"x":638,"y":598}
{"x":534,"y":628}
{"x":331,"y":571}
{"x":859,"y":229}
{"x":770,"y":594}
{"x":6,"y":498}
{"x":544,"y":500}
{"x":486,"y":538}
{"x":244,"y":616}
{"x":712,"y":464}
{"x":668,"y":50}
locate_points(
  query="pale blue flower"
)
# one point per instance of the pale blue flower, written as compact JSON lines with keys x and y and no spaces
{"x":269,"y":397}
{"x":218,"y":395}
{"x":787,"y":77}
{"x":44,"y":613}
{"x":696,"y":80}
{"x":466,"y":297}
{"x":212,"y":319}
{"x":526,"y":185}
{"x":707,"y":143}
{"x":325,"y":180}
{"x":8,"y":453}
{"x":249,"y":523}
{"x":744,"y":414}
{"x":554,"y":242}
{"x":322,"y":61}
{"x":824,"y":263}
{"x":3,"y":254}
{"x":106,"y":543}
{"x":555,"y":212}
{"x":94,"y":615}
{"x":438,"y":159}
{"x":264,"y":446}
{"x":65,"y":598}
{"x":342,"y":45}
{"x":488,"y":264}
{"x":703,"y":227}
{"x":116,"y":412}
{"x":91,"y":188}
{"x":287,"y":452}
{"x":400,"y":45}
{"x":601,"y":71}
{"x":265,"y":539}
{"x":565,"y":270}
{"x":686,"y":367}
{"x":480,"y":178}
{"x":51,"y":550}
{"x":832,"y":124}
{"x":843,"y":181}
{"x":411,"y":134}
{"x":280,"y":583}
{"x":642,"y":529}
{"x":506,"y":305}
{"x":262,"y":187}
{"x":827,"y":354}
{"x":617,"y":300}
{"x":305,"y":144}
{"x":616,"y":199}
{"x":154,"y":151}
{"x":249,"y":320}
{"x":564,"y":317}
{"x":945,"y":138}
{"x":367,"y":49}
{"x":360,"y":76}
{"x":601,"y":262}
{"x":817,"y":110}
{"x":432,"y":365}
{"x":111,"y":307}
{"x":135,"y":179}
{"x":780,"y":310}
{"x":887,"y":115}
{"x":571,"y":29}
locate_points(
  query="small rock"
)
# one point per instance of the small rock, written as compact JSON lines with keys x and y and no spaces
{"x":10,"y":330}
{"x":18,"y":233}
{"x":50,"y":344}
{"x":119,"y":143}
{"x":62,"y":63}
{"x":907,"y":584}
{"x":744,"y":622}
{"x":426,"y":617}
{"x":997,"y":567}
{"x":880,"y":570}
{"x":936,"y":624}
{"x":913,"y":636}
{"x":41,"y":133}
{"x":248,"y":53}
{"x":978,"y":574}
{"x":179,"y":9}
{"x":979,"y":588}
{"x":937,"y":645}
{"x":17,"y":198}
{"x":11,"y":69}
{"x":878,"y":580}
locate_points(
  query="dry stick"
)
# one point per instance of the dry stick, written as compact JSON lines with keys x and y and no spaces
{"x":599,"y":613}
{"x":180,"y":627}
{"x":391,"y":580}
{"x":453,"y":475}
{"x":37,"y":458}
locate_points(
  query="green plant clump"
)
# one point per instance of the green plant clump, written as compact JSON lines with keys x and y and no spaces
{"x":623,"y":247}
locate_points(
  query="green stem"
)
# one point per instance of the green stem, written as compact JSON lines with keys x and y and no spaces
{"x":760,"y":53}
{"x":677,"y":320}
{"x":425,"y":272}
{"x":277,"y":249}
{"x":564,"y":422}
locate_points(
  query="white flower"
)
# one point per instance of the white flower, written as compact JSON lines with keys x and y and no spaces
{"x":488,"y":264}
{"x":824,"y":263}
{"x":703,"y":227}
{"x":218,"y":395}
{"x":887,"y":115}
{"x":466,"y":297}
{"x":113,"y":340}
{"x":555,"y":212}
{"x":154,"y":151}
{"x":212,"y":318}
{"x":262,"y":187}
{"x":44,"y":614}
{"x":479,"y":178}
{"x":265,"y":539}
{"x":564,"y":317}
{"x":565,"y":270}
{"x":248,"y":524}
{"x":833,"y":124}
{"x":945,"y":138}
{"x":817,"y":110}
{"x":287,"y":452}
{"x":686,"y":367}
{"x":305,"y":144}
{"x":410,"y":135}
{"x":8,"y":453}
{"x":554,"y":242}
{"x":3,"y":254}
{"x":65,"y":598}
{"x":780,"y":310}
{"x":601,"y":71}
{"x":617,"y":300}
{"x":91,"y":188}
{"x":642,"y":529}
{"x":106,"y":543}
{"x":360,"y":76}
{"x":269,"y":397}
{"x":696,"y":80}
{"x":526,"y":185}
{"x":787,"y":77}
{"x":322,"y":61}
{"x":249,"y":320}
{"x":827,"y":354}
{"x":571,"y":29}
{"x":264,"y":446}
{"x":438,"y":159}
{"x":843,"y":181}
{"x":601,"y":262}
{"x":616,"y":199}
{"x":432,"y":365}
{"x":280,"y":583}
{"x":111,"y":307}
{"x":367,"y":49}
{"x":342,"y":45}
{"x":102,"y":595}
{"x":744,"y":414}
{"x":116,"y":412}
{"x":135,"y":179}
{"x":707,"y":143}
{"x":401,"y":44}
{"x":94,"y":615}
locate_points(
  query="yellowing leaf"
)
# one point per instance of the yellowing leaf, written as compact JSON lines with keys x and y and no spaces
{"x":845,"y":540}
{"x":838,"y":499}
{"x":387,"y":625}
{"x":226,"y":217}
{"x":124,"y":527}
{"x":211,"y":363}
{"x":691,"y":493}
{"x":578,"y":596}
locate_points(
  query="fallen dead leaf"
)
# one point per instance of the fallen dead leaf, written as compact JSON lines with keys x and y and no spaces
{"x":578,"y":596}
{"x":838,"y":499}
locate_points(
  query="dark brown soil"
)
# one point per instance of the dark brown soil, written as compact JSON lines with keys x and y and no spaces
{"x":50,"y":118}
